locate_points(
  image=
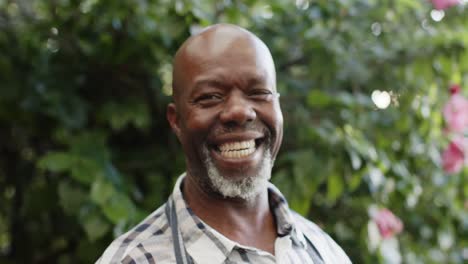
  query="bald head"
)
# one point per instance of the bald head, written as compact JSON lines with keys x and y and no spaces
{"x":217,"y":44}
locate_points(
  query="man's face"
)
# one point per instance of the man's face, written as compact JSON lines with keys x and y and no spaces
{"x":229,"y":119}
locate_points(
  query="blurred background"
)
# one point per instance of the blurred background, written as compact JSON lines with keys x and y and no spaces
{"x":374,"y":93}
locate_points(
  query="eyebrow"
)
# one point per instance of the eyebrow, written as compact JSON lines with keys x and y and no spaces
{"x":209,"y":82}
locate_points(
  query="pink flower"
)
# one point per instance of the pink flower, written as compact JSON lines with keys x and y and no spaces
{"x":454,"y":88}
{"x":453,"y":157}
{"x":388,"y":224}
{"x":444,"y":4}
{"x":456,"y":111}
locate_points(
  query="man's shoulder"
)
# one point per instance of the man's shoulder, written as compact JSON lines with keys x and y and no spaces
{"x":328,"y":248}
{"x":307,"y":226}
{"x":150,"y":235}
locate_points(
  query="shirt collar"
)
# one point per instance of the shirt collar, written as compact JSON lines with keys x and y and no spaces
{"x":206,"y":245}
{"x":284,"y":220}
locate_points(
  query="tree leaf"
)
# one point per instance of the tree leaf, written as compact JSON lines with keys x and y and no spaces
{"x":56,"y":161}
{"x":335,"y":187}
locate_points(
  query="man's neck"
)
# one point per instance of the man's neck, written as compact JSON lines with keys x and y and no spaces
{"x":248,"y":222}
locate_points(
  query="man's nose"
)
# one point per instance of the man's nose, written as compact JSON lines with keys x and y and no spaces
{"x":237,"y":110}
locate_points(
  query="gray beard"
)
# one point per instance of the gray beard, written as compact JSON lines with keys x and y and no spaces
{"x":248,"y":187}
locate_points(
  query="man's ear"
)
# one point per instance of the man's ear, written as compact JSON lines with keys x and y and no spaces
{"x":173,"y":117}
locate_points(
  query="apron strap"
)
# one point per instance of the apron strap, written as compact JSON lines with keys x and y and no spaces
{"x":180,"y":251}
{"x":313,"y":252}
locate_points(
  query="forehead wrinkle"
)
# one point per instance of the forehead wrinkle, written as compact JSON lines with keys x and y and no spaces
{"x":239,"y":79}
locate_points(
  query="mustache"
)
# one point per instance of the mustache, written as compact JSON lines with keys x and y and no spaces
{"x":229,"y":128}
{"x":248,"y":127}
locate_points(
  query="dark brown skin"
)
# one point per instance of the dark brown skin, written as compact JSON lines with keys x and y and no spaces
{"x":225,"y":91}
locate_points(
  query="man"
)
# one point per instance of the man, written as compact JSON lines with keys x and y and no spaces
{"x":227,"y":116}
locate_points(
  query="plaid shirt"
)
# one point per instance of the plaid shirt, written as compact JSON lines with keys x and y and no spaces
{"x":151,"y":241}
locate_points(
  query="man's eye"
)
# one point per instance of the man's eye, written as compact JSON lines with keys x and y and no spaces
{"x":261,"y":94}
{"x":208,"y":99}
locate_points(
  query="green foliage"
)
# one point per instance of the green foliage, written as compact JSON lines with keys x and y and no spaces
{"x":86,"y":152}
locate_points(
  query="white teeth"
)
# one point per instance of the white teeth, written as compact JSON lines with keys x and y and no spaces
{"x":237,"y":149}
{"x":237,"y":145}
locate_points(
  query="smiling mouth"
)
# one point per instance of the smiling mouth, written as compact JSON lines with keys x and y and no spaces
{"x":238,"y":149}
